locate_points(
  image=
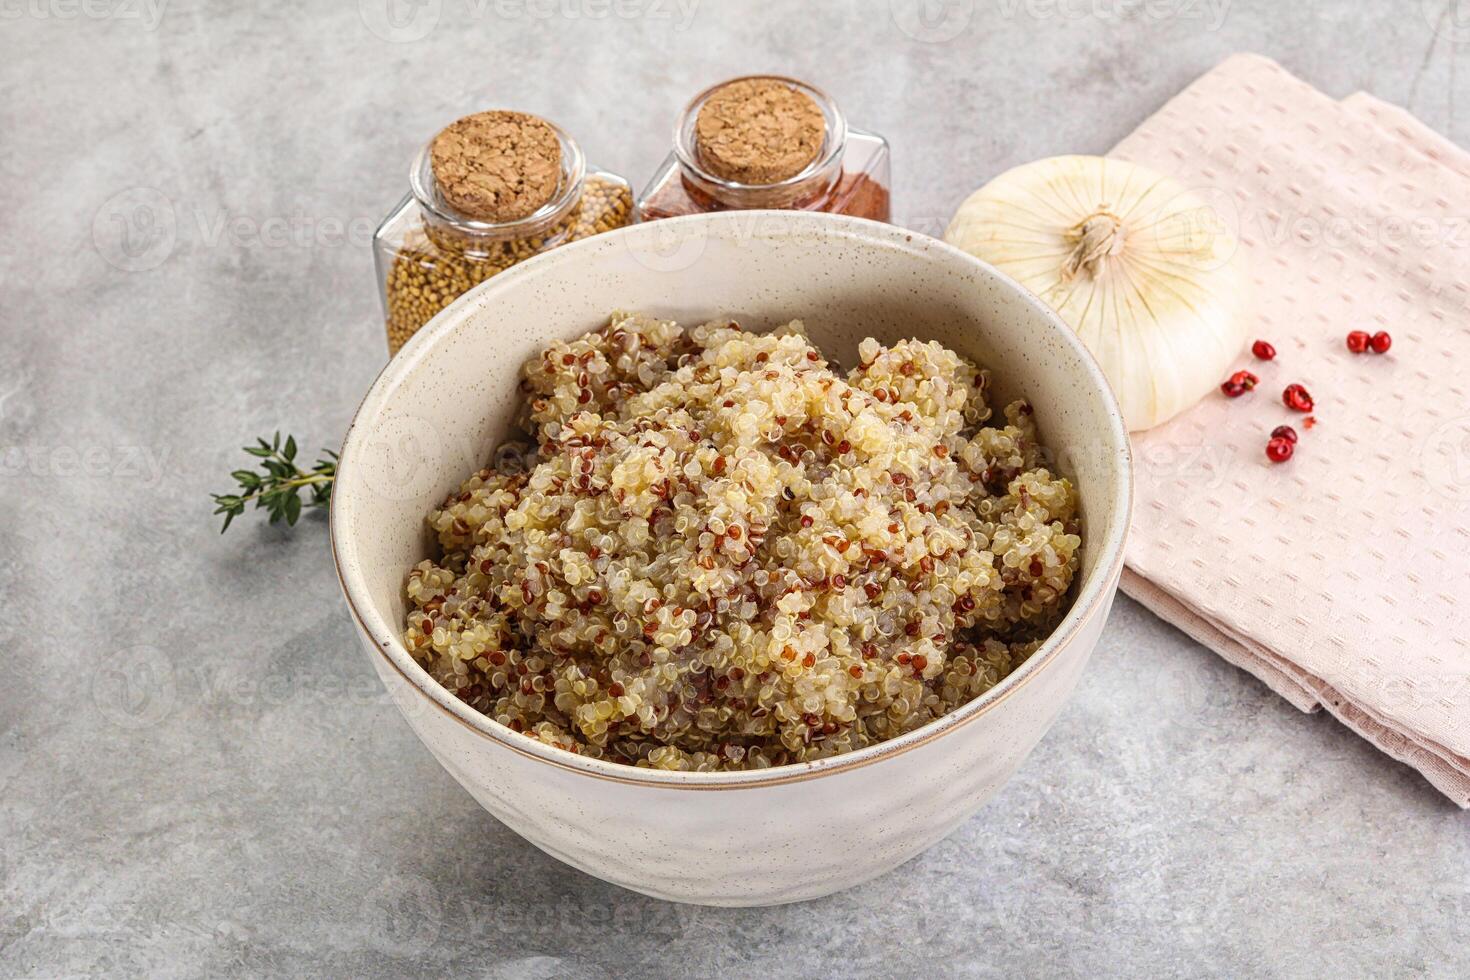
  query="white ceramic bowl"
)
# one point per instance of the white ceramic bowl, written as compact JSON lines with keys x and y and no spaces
{"x":743,"y":838}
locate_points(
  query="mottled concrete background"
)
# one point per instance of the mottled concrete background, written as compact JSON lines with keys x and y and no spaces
{"x":200,"y":775}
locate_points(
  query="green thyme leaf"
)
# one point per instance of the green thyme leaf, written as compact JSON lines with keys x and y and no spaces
{"x":277,"y":485}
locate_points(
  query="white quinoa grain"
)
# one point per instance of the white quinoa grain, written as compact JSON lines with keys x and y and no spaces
{"x":723,"y":554}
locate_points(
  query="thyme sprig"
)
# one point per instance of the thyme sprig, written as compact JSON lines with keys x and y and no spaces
{"x":278,"y":488}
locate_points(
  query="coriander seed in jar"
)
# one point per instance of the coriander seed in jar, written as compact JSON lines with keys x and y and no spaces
{"x":489,"y":191}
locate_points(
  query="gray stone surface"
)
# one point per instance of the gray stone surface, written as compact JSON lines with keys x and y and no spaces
{"x":199,"y":774}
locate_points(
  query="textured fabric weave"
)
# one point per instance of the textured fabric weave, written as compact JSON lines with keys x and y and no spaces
{"x":1340,"y":578}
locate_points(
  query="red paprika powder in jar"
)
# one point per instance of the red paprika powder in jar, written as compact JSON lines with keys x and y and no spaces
{"x":765,"y":141}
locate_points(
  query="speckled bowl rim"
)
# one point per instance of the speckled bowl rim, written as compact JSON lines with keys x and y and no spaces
{"x":1092,"y":599}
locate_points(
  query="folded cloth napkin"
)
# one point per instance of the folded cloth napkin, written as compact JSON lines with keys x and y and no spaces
{"x":1342,"y":577}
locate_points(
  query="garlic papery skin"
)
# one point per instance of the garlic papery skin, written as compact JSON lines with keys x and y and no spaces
{"x":1146,"y":272}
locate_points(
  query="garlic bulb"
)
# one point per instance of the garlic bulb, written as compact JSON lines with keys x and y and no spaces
{"x":1144,"y":270}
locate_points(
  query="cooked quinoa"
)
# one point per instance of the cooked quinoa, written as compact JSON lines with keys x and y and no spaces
{"x":720,"y":552}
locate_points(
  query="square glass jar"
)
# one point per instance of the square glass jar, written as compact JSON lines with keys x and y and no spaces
{"x":849,"y":175}
{"x":427,"y":254}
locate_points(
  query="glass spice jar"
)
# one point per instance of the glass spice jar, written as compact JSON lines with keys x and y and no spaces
{"x":765,"y":141}
{"x":489,"y":191}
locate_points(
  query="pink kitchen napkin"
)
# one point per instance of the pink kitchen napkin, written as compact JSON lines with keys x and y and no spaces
{"x":1341,"y":578}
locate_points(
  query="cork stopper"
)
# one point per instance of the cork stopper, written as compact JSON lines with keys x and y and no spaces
{"x":758,"y":131}
{"x":497,"y":166}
